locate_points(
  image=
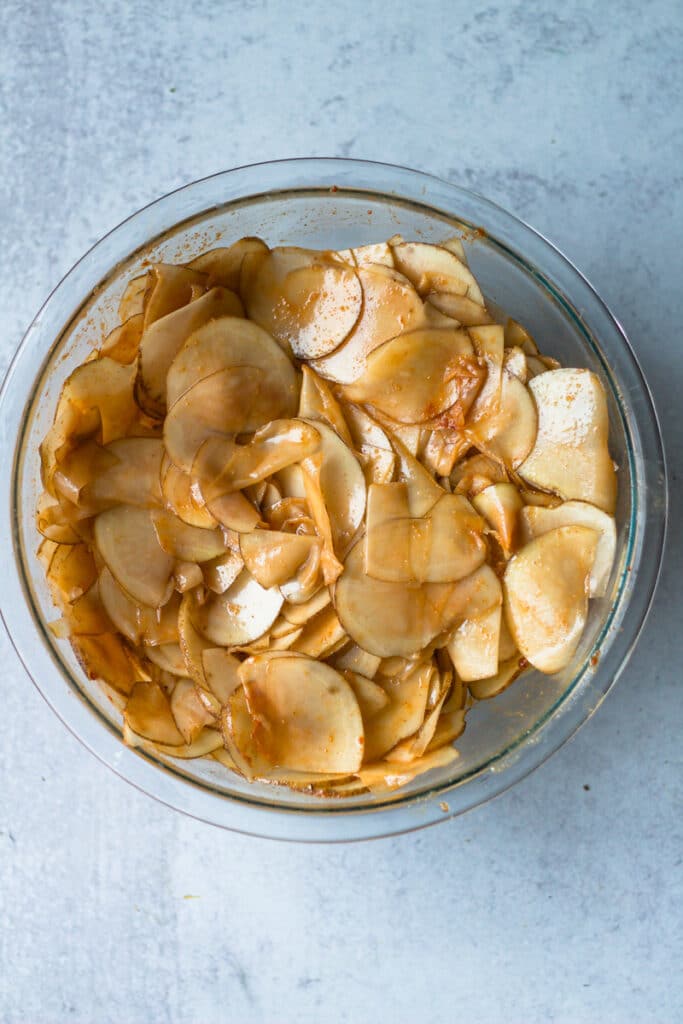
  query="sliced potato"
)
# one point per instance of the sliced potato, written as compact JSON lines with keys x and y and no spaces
{"x":306,"y":714}
{"x":341,"y":483}
{"x":131,"y":478}
{"x":223,"y":265}
{"x":163,"y":339}
{"x":242,"y":614}
{"x":182,"y":498}
{"x":220,"y":573}
{"x":273,"y":557}
{"x":169,"y":288}
{"x":390,"y":306}
{"x":352,"y":658}
{"x":536,"y":521}
{"x":570,"y":454}
{"x":167,"y":657}
{"x":187,"y":543}
{"x":432,"y":268}
{"x":221,"y":671}
{"x":123,"y":343}
{"x":418,"y":375}
{"x":403,"y":714}
{"x":108,"y":659}
{"x":316,"y":402}
{"x":322,"y":635}
{"x":300,"y":612}
{"x":307,"y":300}
{"x":473,"y":646}
{"x":132,"y":302}
{"x":509,"y":433}
{"x":501,"y":506}
{"x":127,"y":541}
{"x":546,"y":595}
{"x":508,"y":672}
{"x":148,"y":713}
{"x":371,"y":696}
{"x":71,"y":572}
{"x":189,"y":712}
{"x":460,"y":308}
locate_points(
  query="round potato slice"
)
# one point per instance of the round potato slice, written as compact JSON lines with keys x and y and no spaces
{"x":169,"y":288}
{"x":307,"y":715}
{"x":163,"y":339}
{"x":307,"y":300}
{"x":223,"y":265}
{"x":187,"y":543}
{"x":546,"y":595}
{"x":391,"y":305}
{"x":536,"y":521}
{"x":242,"y":614}
{"x":127,"y":541}
{"x":133,"y":479}
{"x":182,"y":499}
{"x":273,"y":557}
{"x":417,"y":376}
{"x":509,"y":432}
{"x":342,"y":486}
{"x":432,"y":268}
{"x":230,"y":342}
{"x":148,"y":713}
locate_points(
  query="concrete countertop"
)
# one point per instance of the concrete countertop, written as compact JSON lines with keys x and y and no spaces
{"x":561,"y":900}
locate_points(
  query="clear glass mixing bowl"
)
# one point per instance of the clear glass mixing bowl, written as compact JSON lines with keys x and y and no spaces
{"x":338,"y":203}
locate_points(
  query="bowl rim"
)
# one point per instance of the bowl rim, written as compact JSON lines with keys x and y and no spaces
{"x":411,"y":812}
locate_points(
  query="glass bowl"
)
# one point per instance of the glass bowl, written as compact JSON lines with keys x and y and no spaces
{"x":338,"y":203}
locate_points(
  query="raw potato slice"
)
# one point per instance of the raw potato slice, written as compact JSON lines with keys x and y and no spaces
{"x":342,"y":487}
{"x":404,"y":713}
{"x":242,"y":614}
{"x":272,"y":557}
{"x":537,"y":521}
{"x":501,"y":506}
{"x":148,"y":713}
{"x":417,"y":376}
{"x":510,"y":433}
{"x":444,"y":545}
{"x":167,"y":657}
{"x":221,"y":572}
{"x":187,"y":543}
{"x":306,"y":715}
{"x":171,"y":287}
{"x":188,"y":710}
{"x":570,"y":455}
{"x":373,"y":254}
{"x":127,"y":541}
{"x":316,"y":402}
{"x":133,"y":476}
{"x":353,"y":658}
{"x":488,"y":344}
{"x":308,"y":580}
{"x":234,"y":512}
{"x":300,"y":613}
{"x":322,"y":635}
{"x":432,"y":268}
{"x":516,"y":335}
{"x":132,"y":302}
{"x":122,"y":344}
{"x":183,"y":499}
{"x":372,"y":443}
{"x":423,"y":490}
{"x":546,"y":595}
{"x":307,"y":300}
{"x":206,"y":743}
{"x":223,"y":466}
{"x":221,"y":672}
{"x":461,"y":309}
{"x":226,"y":403}
{"x":390,"y":306}
{"x":515,"y":362}
{"x":223,"y":265}
{"x":473,"y":647}
{"x":107,"y":658}
{"x":371,"y":696}
{"x":163,"y":339}
{"x":71,"y":572}
{"x":508,"y":672}
{"x":228,"y":343}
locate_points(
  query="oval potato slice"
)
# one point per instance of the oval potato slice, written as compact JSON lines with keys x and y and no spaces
{"x":546,"y":595}
{"x":242,"y":614}
{"x":537,"y":520}
{"x":127,"y":541}
{"x":432,"y":268}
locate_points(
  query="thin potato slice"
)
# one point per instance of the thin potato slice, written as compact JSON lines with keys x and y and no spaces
{"x":127,"y":541}
{"x":171,"y":287}
{"x":342,"y":487}
{"x":132,"y":302}
{"x":418,"y":375}
{"x":501,"y":506}
{"x":536,"y":521}
{"x":510,"y":433}
{"x":371,"y":696}
{"x":188,"y":710}
{"x":221,"y":572}
{"x":300,"y":613}
{"x":321,"y":635}
{"x":390,"y":306}
{"x":187,"y":543}
{"x":272,"y":557}
{"x":242,"y":614}
{"x":148,"y":713}
{"x":307,"y":716}
{"x":182,"y":498}
{"x":123,"y":343}
{"x":167,"y":657}
{"x":546,"y":595}
{"x":71,"y":572}
{"x":163,"y":339}
{"x":404,"y":713}
{"x":223,"y":265}
{"x":108,"y":659}
{"x":308,"y":301}
{"x":570,"y":454}
{"x":316,"y":402}
{"x":432,"y":268}
{"x":474,"y":646}
{"x":353,"y":659}
{"x":221,"y":671}
{"x":461,"y":309}
{"x":131,"y":478}
{"x":508,"y":672}
{"x":207,"y":743}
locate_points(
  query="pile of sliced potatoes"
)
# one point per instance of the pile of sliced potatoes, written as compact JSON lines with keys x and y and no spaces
{"x":303,"y":508}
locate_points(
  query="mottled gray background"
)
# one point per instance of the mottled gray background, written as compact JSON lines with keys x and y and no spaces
{"x":558,"y":901}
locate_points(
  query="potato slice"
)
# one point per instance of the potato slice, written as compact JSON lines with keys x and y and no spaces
{"x":234,"y":512}
{"x":127,"y":541}
{"x":352,"y":658}
{"x":308,"y":580}
{"x":220,"y":573}
{"x":242,"y":614}
{"x":316,"y":402}
{"x":223,"y":466}
{"x":371,"y":441}
{"x":309,"y":301}
{"x":460,"y":308}
{"x":229,"y":343}
{"x":132,"y":477}
{"x":123,"y":343}
{"x":373,"y":254}
{"x":384,"y":777}
{"x":342,"y":487}
{"x":371,"y":696}
{"x":473,"y":647}
{"x":182,"y":498}
{"x":171,"y":287}
{"x":488,"y":344}
{"x":508,"y":672}
{"x":537,"y":521}
{"x":414,"y":747}
{"x":432,"y":268}
{"x":445,"y":544}
{"x":418,"y":375}
{"x":300,"y":613}
{"x":85,"y":616}
{"x":189,"y":713}
{"x":221,"y":671}
{"x":510,"y":433}
{"x":515,"y":362}
{"x":108,"y":659}
{"x":404,"y":713}
{"x":167,"y":657}
{"x":518,"y":336}
{"x":223,"y":265}
{"x":163,"y":339}
{"x":501,"y":505}
{"x":390,"y":306}
{"x":207,"y":742}
{"x":423,"y":490}
{"x":193,"y":645}
{"x":307,"y":716}
{"x":322,"y":635}
{"x":187,"y":543}
{"x":71,"y":572}
{"x":273,"y":557}
{"x":139,"y":623}
{"x":148,"y":713}
{"x":132,"y":302}
{"x":546,"y":595}
{"x":219,"y":405}
{"x":570,"y":454}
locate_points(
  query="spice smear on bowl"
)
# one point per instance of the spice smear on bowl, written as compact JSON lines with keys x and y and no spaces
{"x":302,"y":509}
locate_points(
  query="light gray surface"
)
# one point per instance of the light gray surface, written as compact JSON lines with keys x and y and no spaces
{"x":557,"y":902}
